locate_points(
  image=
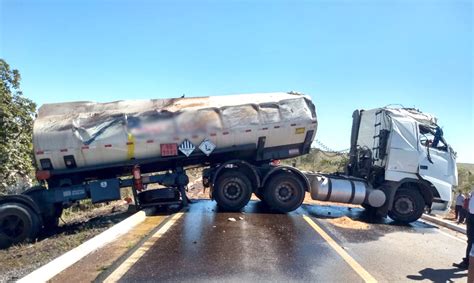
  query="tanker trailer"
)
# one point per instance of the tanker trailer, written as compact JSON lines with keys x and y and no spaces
{"x":91,"y":150}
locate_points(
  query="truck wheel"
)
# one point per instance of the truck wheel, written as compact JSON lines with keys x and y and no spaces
{"x":408,"y":206}
{"x":18,"y":223}
{"x":232,"y":191}
{"x":284,"y":192}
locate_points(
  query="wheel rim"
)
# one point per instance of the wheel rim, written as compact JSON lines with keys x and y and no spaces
{"x":12,"y":225}
{"x":233,"y":190}
{"x":404,"y":205}
{"x":285,"y":192}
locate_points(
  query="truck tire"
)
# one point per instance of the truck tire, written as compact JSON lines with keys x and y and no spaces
{"x":18,"y":223}
{"x":408,"y":205}
{"x":232,"y":191}
{"x":284,"y":192}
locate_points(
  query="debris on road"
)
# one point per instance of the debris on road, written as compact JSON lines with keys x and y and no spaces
{"x":231,"y":219}
{"x":348,"y":223}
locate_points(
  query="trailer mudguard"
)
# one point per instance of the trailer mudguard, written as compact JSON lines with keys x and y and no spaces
{"x":277,"y":169}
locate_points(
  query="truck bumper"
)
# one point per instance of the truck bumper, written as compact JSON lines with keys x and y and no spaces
{"x":440,"y":207}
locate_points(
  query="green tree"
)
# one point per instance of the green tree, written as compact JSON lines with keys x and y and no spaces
{"x":16,"y":128}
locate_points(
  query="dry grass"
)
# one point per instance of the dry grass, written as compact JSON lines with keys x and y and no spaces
{"x":80,"y":226}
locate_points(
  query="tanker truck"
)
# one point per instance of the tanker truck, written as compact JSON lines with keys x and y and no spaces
{"x":88,"y":150}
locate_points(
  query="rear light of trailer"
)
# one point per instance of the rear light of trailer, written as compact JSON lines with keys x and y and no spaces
{"x":43,"y":175}
{"x":69,"y":161}
{"x":46,"y":164}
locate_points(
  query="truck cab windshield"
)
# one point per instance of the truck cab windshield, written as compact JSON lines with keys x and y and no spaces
{"x":433,"y":137}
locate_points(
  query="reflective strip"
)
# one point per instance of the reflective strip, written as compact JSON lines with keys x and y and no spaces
{"x":225,"y":133}
{"x":248,"y":131}
{"x":64,"y":150}
{"x":108,"y":145}
{"x":85,"y":147}
{"x":40,"y":152}
{"x":150,"y":141}
{"x":130,"y":146}
{"x":213,"y":134}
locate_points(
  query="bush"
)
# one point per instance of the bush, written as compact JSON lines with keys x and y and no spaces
{"x":16,"y":129}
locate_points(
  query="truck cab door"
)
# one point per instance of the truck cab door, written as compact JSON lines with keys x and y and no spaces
{"x":437,"y":163}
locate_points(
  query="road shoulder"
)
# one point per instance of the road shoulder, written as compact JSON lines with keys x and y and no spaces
{"x":89,"y":267}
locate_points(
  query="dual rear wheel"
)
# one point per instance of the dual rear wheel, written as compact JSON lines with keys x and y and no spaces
{"x":284,"y":192}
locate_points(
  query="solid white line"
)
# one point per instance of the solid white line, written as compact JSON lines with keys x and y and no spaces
{"x":129,"y":262}
{"x":56,"y":266}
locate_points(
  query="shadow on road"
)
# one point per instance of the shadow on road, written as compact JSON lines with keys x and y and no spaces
{"x":439,"y":275}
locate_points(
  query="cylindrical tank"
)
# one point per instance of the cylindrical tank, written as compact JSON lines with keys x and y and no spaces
{"x":87,"y":134}
{"x":345,"y":190}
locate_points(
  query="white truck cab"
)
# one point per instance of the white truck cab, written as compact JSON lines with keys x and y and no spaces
{"x":402,"y":152}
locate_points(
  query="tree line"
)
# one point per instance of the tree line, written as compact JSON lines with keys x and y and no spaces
{"x":16,"y":133}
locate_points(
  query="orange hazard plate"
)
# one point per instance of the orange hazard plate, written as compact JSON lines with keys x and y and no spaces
{"x":169,"y":149}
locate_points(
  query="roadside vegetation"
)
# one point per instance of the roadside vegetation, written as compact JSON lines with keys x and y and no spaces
{"x":319,"y":161}
{"x":466,"y":177}
{"x":16,"y":129}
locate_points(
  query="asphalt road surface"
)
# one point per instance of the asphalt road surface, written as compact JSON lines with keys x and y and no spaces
{"x":202,"y":244}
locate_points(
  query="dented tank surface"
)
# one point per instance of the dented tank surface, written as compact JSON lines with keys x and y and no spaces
{"x":81,"y":134}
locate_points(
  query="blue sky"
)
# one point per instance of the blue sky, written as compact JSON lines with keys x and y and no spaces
{"x":345,"y":54}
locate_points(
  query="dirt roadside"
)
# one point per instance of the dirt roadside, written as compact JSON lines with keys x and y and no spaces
{"x":18,"y":261}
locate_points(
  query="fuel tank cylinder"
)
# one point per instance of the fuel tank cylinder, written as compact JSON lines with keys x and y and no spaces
{"x":345,"y":190}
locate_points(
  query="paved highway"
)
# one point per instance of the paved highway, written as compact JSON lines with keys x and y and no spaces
{"x":202,"y":244}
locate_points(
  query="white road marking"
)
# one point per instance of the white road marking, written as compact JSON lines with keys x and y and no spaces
{"x":59,"y":264}
{"x":129,"y":262}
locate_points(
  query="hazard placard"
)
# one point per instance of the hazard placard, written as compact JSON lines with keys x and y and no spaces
{"x":186,"y":147}
{"x":207,"y":147}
